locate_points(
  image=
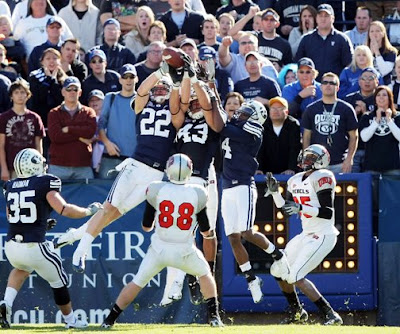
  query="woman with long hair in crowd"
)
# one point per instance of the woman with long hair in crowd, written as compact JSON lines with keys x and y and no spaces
{"x":308,"y":17}
{"x":384,"y":53}
{"x":46,"y":84}
{"x":362,"y":58}
{"x":380,"y":130}
{"x":138,"y":39}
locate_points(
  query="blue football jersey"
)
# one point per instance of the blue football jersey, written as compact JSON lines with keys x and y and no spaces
{"x":199,"y":142}
{"x":155,"y":135}
{"x":241,"y":141}
{"x":28,"y":209}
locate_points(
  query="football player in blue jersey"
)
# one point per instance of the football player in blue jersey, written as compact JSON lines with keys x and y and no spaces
{"x":241,"y":140}
{"x":199,"y":120}
{"x":30,"y":199}
{"x":155,"y":135}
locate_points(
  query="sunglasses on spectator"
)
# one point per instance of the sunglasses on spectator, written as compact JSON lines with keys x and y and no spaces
{"x":71,"y":89}
{"x":332,"y":83}
{"x":97,"y":61}
{"x":128,"y":76}
{"x":252,"y":62}
{"x":246,"y":42}
{"x":371,"y":78}
{"x":304,"y":72}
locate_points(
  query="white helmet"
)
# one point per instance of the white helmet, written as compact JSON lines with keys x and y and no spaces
{"x":253,"y":111}
{"x":314,"y":157}
{"x":29,"y":162}
{"x":179,"y":168}
{"x":161,"y":91}
{"x":194,"y":111}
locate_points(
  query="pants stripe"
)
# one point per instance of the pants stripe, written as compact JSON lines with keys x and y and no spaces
{"x":55,"y":260}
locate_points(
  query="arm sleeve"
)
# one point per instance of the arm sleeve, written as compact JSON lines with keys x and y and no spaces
{"x":202,"y":218}
{"x":148,"y":215}
{"x":325,"y":199}
{"x":384,"y":67}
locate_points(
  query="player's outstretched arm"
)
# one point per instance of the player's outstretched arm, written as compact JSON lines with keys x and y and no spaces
{"x":59,"y":205}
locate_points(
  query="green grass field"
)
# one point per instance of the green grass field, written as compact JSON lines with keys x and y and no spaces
{"x":200,"y":329}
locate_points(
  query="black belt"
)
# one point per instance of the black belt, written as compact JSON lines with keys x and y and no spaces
{"x":150,"y":163}
{"x":121,"y":157}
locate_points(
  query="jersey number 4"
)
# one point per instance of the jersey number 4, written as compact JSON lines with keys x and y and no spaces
{"x":184,"y":221}
{"x":18,"y":201}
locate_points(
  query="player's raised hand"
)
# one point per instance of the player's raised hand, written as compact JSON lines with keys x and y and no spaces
{"x":210,"y":66}
{"x":291,"y":208}
{"x":272,"y":185}
{"x":92,"y":208}
{"x":163,"y":70}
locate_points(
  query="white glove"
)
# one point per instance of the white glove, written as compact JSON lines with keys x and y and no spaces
{"x":93,"y":208}
{"x":163,"y":70}
{"x":272,"y":185}
{"x":210,"y":66}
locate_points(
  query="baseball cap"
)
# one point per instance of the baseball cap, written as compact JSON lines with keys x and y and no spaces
{"x":370,"y":70}
{"x":206,"y":52}
{"x":306,"y":62}
{"x":253,"y":53}
{"x":97,"y":52}
{"x":97,"y":93}
{"x":270,"y":12}
{"x":326,"y":8}
{"x":71,"y":81}
{"x":128,"y":68}
{"x":112,"y":21}
{"x":278,"y":99}
{"x":188,"y":41}
{"x":53,"y":19}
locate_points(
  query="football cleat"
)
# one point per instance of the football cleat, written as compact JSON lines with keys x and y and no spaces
{"x":196,"y":297}
{"x":5,"y":315}
{"x":332,"y":318}
{"x":175,"y":293}
{"x":216,"y":321}
{"x":77,"y":324}
{"x":166,"y":301}
{"x":255,"y":289}
{"x":78,"y":262}
{"x":65,"y":239}
{"x":106,"y":324}
{"x":295,"y":316}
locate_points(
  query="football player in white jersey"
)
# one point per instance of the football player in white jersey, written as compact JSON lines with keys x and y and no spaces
{"x":174,"y":209}
{"x":31,"y":197}
{"x":311,"y":194}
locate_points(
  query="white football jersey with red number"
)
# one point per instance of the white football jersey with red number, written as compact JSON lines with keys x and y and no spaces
{"x":305,"y":192}
{"x":176,"y":208}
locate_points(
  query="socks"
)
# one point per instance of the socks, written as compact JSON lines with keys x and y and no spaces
{"x":323,"y":305}
{"x":293,"y":299}
{"x":80,"y":232}
{"x":275,"y":252}
{"x":85,"y":242}
{"x":10,"y":296}
{"x":69,"y":318}
{"x":212,"y":305}
{"x":247,"y":271}
{"x":114,"y":314}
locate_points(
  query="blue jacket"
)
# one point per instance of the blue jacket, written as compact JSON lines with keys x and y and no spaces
{"x":297,"y":105}
{"x":330,"y":55}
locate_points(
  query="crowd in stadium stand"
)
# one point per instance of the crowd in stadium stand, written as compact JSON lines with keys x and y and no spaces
{"x":102,"y":50}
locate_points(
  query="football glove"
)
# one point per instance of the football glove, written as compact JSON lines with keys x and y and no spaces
{"x":189,"y":68}
{"x":93,"y":208}
{"x":291,"y":208}
{"x":51,"y":222}
{"x":163,"y":70}
{"x":176,"y":75}
{"x":272,"y":185}
{"x":210,"y":66}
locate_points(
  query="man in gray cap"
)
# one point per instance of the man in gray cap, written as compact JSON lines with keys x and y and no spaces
{"x":330,"y":49}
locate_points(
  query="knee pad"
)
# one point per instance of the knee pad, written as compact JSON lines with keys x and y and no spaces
{"x":61,"y":295}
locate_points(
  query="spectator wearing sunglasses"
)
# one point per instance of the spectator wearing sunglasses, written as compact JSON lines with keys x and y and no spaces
{"x":71,"y":127}
{"x":305,"y":90}
{"x":100,"y":78}
{"x":332,"y":122}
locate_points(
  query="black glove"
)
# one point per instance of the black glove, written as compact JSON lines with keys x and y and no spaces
{"x":291,"y":208}
{"x":176,"y":75}
{"x":202,"y":73}
{"x":272,"y":185}
{"x":189,"y":66}
{"x":51,"y":222}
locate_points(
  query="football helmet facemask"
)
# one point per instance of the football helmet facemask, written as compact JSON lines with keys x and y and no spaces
{"x":29,"y":162}
{"x":253,"y":111}
{"x":179,"y":168}
{"x":194,"y":111}
{"x":314,"y":157}
{"x":161,"y":91}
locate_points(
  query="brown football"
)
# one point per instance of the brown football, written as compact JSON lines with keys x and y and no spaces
{"x":173,"y":56}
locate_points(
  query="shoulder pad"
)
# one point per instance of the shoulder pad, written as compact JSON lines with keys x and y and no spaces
{"x":323,"y":179}
{"x":202,"y":196}
{"x":54,"y":182}
{"x":152,"y":191}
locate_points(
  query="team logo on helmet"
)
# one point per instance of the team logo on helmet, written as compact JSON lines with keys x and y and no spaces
{"x":29,"y":162}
